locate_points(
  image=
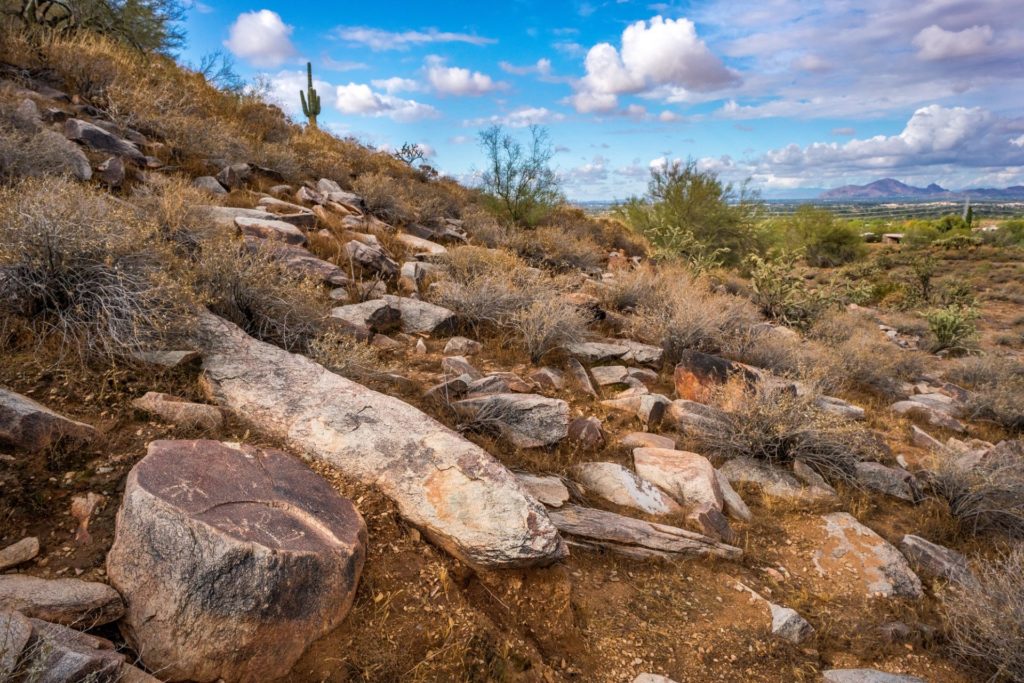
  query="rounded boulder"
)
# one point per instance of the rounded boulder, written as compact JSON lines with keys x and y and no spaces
{"x":231,"y":560}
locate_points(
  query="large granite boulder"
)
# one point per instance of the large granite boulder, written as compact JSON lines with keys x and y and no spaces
{"x":63,"y":601}
{"x":33,"y":427}
{"x":526,"y":420}
{"x":463,"y":498}
{"x":231,"y":559}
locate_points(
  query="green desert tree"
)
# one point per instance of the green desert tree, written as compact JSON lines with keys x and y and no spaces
{"x":518,"y":178}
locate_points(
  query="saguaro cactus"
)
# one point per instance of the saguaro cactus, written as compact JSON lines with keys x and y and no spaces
{"x":310,"y":101}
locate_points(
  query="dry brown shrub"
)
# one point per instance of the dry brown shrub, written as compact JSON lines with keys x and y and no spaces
{"x":861,"y":358}
{"x":250,"y":288}
{"x":987,"y":496}
{"x":550,"y":247}
{"x":345,"y":355}
{"x":607,"y":232}
{"x":548,"y":324}
{"x":997,"y":389}
{"x":985,"y":617}
{"x":679,"y":310}
{"x":778,"y":427}
{"x":483,"y":228}
{"x":384,"y":197}
{"x":78,"y":267}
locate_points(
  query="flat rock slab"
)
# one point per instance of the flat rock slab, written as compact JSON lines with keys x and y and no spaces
{"x":231,"y":559}
{"x":58,"y":654}
{"x":94,"y":137}
{"x":300,"y":260}
{"x":73,"y":602}
{"x":772,"y":481}
{"x":416,"y":316}
{"x":526,"y":420}
{"x":688,"y":477}
{"x":888,"y":480}
{"x":620,"y":486}
{"x":624,"y":350}
{"x":635,"y":537}
{"x":418,"y":245}
{"x":548,"y":489}
{"x":179,"y":411}
{"x":33,"y":427}
{"x":850,"y":547}
{"x":270,"y":229}
{"x":936,"y":561}
{"x":920,"y":411}
{"x":647,"y":440}
{"x":867,"y":676}
{"x":463,"y":498}
{"x":648,"y":408}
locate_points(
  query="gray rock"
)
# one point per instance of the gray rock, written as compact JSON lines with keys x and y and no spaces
{"x":620,"y":486}
{"x":33,"y":427}
{"x":209,"y":184}
{"x":464,"y":499}
{"x":417,"y":316}
{"x":852,"y":548}
{"x":605,"y":375}
{"x":270,"y":229}
{"x":548,"y":378}
{"x":231,"y":559}
{"x":450,"y":389}
{"x":837,"y":406}
{"x":867,"y":676}
{"x":577,"y":378}
{"x":652,"y":678}
{"x":687,"y":477}
{"x":624,"y":350}
{"x":420,"y":246}
{"x":526,"y":420}
{"x":810,"y":477}
{"x":15,"y":633}
{"x":490,"y":384}
{"x":61,"y":654}
{"x":789,"y":625}
{"x":370,"y":257}
{"x":72,"y":158}
{"x":461,"y":346}
{"x":936,"y":561}
{"x":894,"y":482}
{"x":688,"y":415}
{"x":19,"y":553}
{"x":458,"y":365}
{"x":111,"y":172}
{"x":587,"y":432}
{"x":96,"y":138}
{"x":168,"y":359}
{"x":920,"y":411}
{"x":648,"y":408}
{"x":63,"y":601}
{"x":647,"y":440}
{"x":548,"y":489}
{"x":732,"y":502}
{"x":234,"y":175}
{"x":923,"y":439}
{"x":179,"y":411}
{"x":772,"y":481}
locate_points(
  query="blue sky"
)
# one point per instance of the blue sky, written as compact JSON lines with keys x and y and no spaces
{"x":796,"y":96}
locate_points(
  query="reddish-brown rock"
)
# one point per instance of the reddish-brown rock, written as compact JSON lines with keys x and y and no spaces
{"x":698,"y":373}
{"x":33,"y":427}
{"x":231,"y":559}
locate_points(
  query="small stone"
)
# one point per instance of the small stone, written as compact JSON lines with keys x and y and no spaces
{"x":421,"y":347}
{"x":789,"y":625}
{"x":548,"y":378}
{"x":577,"y":377}
{"x":85,"y":604}
{"x":548,"y":489}
{"x":461,"y":346}
{"x":586,"y":431}
{"x":647,"y":440}
{"x":33,"y":427}
{"x":458,"y":365}
{"x":867,"y":676}
{"x":111,"y":172}
{"x":209,"y":184}
{"x":179,"y":411}
{"x":936,"y":561}
{"x":18,"y":553}
{"x":82,"y":508}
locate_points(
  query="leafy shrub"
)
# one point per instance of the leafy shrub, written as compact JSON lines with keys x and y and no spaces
{"x":691,"y":213}
{"x":782,"y":294}
{"x":78,"y":267}
{"x":776,"y":427}
{"x":985,"y":618}
{"x":518,"y":180}
{"x":825,"y":241}
{"x":548,"y":324}
{"x":952,"y":328}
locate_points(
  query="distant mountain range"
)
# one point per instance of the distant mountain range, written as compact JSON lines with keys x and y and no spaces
{"x":890,"y":188}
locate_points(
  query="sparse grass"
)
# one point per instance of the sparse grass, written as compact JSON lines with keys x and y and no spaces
{"x":550,"y":247}
{"x":345,"y":355}
{"x":997,"y":389}
{"x":987,"y":496}
{"x":79,"y":267}
{"x":548,"y":324}
{"x":985,"y":618}
{"x":778,"y":428}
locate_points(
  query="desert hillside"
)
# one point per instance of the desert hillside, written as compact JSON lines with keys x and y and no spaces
{"x":275,"y":405}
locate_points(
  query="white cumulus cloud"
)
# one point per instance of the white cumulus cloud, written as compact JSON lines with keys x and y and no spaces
{"x":454,"y":80}
{"x":519,"y":118}
{"x":396,"y":84}
{"x":656,"y":53}
{"x":378,"y":39}
{"x":261,"y":38}
{"x":934,"y":42}
{"x":359,"y":98}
